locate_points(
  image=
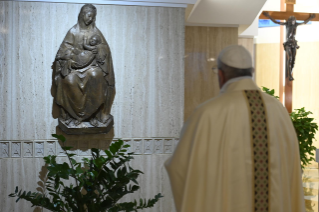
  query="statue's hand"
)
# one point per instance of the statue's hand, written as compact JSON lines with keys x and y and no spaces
{"x":94,"y":50}
{"x":90,"y":48}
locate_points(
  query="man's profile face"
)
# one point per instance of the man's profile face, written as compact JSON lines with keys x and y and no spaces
{"x":88,"y":17}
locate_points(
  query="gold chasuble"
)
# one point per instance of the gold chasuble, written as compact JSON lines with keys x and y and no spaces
{"x":238,"y":152}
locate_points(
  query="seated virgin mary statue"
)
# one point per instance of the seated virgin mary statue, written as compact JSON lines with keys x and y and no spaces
{"x":84,"y":78}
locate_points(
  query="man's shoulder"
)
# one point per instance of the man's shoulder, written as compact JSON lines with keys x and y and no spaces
{"x":235,"y":99}
{"x":273,"y":104}
{"x":222,"y":102}
{"x":268,"y":99}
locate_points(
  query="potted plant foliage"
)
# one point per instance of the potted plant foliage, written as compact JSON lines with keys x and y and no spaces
{"x":97,"y":184}
{"x":305,"y":129}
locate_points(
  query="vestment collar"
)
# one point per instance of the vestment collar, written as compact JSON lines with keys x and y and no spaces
{"x":239,"y":83}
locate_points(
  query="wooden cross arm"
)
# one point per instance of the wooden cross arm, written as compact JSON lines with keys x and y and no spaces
{"x":286,"y":15}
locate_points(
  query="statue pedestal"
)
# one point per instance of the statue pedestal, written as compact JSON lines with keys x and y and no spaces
{"x":85,"y":136}
{"x":86,"y":127}
{"x":85,"y":142}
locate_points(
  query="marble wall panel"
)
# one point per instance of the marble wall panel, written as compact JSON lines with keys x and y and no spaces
{"x":202,"y":46}
{"x":32,"y":59}
{"x":21,"y":172}
{"x":6,"y":64}
{"x":147,"y":45}
{"x":146,"y":69}
{"x":248,"y":43}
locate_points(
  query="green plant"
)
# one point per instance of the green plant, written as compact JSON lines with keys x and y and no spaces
{"x":270,"y":92}
{"x":305,"y":129}
{"x":97,"y":184}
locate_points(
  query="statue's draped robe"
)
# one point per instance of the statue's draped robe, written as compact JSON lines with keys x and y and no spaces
{"x":211,"y":169}
{"x":88,"y":90}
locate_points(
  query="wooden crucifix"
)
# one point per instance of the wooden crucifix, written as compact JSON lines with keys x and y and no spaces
{"x":290,"y":45}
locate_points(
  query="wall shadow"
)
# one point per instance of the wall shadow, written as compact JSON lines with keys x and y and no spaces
{"x":41,"y":184}
{"x":55,"y":107}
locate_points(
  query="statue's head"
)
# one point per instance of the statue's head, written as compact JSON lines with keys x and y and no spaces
{"x":292,"y":20}
{"x":87,"y":14}
{"x":95,"y":40}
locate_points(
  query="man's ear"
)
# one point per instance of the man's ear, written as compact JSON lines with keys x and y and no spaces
{"x":221,"y":78}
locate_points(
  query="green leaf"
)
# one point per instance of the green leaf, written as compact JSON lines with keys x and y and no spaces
{"x":270,"y":92}
{"x":60,"y":137}
{"x":113,"y":149}
{"x":73,"y":161}
{"x":79,"y":170}
{"x":96,"y":151}
{"x":65,"y":148}
{"x":108,"y":153}
{"x":99,"y":162}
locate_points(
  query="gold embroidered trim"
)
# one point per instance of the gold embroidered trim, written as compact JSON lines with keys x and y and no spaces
{"x":260,"y":150}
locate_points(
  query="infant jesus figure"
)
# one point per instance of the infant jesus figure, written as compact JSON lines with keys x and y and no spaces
{"x":85,"y":58}
{"x":77,"y":60}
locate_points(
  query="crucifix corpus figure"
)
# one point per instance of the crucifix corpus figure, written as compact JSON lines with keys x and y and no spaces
{"x":290,"y":45}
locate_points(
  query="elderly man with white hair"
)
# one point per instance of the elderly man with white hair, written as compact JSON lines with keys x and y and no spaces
{"x":238,"y":152}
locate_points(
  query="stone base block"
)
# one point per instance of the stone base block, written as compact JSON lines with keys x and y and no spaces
{"x":86,"y":127}
{"x":87,"y":141}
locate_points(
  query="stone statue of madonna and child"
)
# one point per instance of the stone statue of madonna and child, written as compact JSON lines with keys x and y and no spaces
{"x":84,"y":78}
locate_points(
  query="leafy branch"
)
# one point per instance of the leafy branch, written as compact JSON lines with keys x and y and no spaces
{"x":305,"y":128}
{"x":100,"y":182}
